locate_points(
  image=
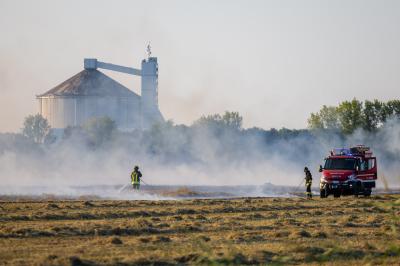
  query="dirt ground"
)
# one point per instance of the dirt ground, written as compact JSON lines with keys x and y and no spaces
{"x":280,"y":231}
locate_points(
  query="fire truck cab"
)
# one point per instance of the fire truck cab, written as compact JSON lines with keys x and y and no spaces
{"x":348,"y":171}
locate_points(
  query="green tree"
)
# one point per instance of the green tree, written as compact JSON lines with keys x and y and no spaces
{"x":326,"y":118}
{"x":208,"y":121}
{"x":350,"y":115}
{"x":229,"y":120}
{"x":99,"y":129}
{"x":329,"y":116}
{"x":36,"y":128}
{"x":232,"y":120}
{"x":373,"y":113}
{"x":315,"y":121}
{"x":391,"y":109}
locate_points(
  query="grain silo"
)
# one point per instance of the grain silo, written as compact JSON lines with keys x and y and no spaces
{"x":90,"y":93}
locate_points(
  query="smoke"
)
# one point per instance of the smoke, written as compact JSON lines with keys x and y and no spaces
{"x":181,"y":155}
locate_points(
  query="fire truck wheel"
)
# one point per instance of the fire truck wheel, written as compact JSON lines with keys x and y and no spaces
{"x":367,"y":192}
{"x":322,"y":193}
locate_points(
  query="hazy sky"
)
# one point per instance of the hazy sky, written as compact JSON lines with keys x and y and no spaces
{"x":272,"y":61}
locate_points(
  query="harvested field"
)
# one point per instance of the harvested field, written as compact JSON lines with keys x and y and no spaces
{"x":349,"y":231}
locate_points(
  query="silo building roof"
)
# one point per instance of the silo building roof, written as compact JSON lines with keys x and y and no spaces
{"x":90,"y":83}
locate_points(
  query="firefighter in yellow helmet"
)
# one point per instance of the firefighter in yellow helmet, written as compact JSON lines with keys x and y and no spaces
{"x":308,"y":180}
{"x":135,"y":178}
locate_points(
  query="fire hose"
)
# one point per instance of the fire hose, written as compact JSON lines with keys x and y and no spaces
{"x":302,"y":180}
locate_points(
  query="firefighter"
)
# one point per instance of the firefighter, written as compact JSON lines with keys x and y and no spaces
{"x":308,"y":180}
{"x":135,"y":178}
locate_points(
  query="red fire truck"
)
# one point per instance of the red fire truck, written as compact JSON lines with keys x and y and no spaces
{"x":348,"y":171}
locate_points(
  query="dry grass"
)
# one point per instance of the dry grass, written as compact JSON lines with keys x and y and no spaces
{"x":208,"y":232}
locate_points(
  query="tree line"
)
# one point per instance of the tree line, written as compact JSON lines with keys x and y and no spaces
{"x":97,"y":130}
{"x":343,"y":119}
{"x":221,"y":134}
{"x":100,"y":129}
{"x":349,"y":116}
{"x":214,"y":138}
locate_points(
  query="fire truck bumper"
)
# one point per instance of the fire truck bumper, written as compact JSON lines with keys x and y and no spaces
{"x":333,"y":185}
{"x":347,"y":188}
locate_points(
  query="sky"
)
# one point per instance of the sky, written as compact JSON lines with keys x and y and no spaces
{"x":274,"y":62}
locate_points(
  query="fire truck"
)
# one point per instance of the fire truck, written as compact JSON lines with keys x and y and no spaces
{"x":348,"y":171}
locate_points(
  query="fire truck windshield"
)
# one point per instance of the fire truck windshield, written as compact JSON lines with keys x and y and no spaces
{"x":340,"y":164}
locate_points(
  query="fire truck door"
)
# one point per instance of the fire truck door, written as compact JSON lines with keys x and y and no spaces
{"x":367,"y":169}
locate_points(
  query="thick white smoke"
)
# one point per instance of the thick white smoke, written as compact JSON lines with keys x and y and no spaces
{"x":171,"y":157}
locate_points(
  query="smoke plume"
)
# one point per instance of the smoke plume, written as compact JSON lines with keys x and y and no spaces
{"x":182,"y":155}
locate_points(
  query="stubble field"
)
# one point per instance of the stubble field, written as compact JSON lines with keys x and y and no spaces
{"x":285,"y":231}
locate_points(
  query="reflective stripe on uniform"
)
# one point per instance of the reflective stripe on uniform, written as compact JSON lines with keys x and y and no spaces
{"x":135,"y":178}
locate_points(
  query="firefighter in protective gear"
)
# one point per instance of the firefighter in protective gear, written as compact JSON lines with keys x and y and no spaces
{"x":308,"y":180}
{"x":135,"y":178}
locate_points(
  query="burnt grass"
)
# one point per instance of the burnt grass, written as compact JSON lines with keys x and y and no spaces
{"x":245,"y":231}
